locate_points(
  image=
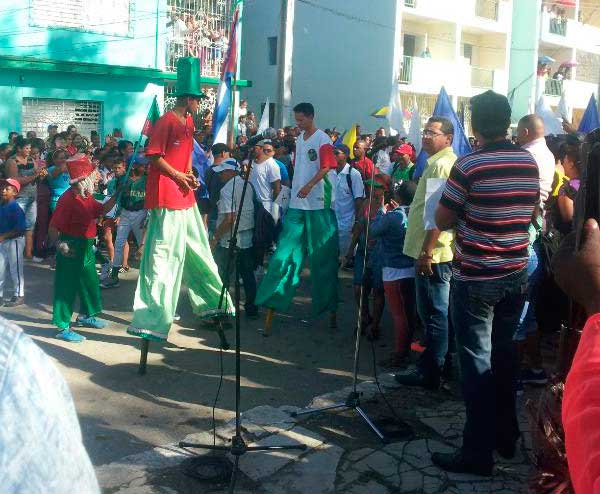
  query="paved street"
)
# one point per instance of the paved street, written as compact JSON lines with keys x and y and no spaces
{"x":131,"y":423}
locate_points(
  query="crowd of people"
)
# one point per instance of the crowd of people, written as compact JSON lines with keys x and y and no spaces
{"x":463,"y":277}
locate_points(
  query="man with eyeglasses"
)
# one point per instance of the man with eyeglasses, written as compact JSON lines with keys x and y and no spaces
{"x":432,"y":252}
{"x":361,"y":162}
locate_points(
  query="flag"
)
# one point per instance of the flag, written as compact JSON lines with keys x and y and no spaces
{"x":565,"y":110}
{"x":349,"y":139}
{"x":552,"y":124}
{"x":264,"y":120}
{"x":395,"y":114}
{"x":460,"y":143}
{"x":223,"y":101}
{"x":414,"y":131}
{"x":590,"y":120}
{"x":153,"y":116}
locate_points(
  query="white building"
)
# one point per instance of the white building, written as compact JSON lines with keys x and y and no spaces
{"x":566,"y":31}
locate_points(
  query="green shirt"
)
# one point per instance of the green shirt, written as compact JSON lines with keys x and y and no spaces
{"x":134,"y":194}
{"x":405,"y":174}
{"x":438,"y":166}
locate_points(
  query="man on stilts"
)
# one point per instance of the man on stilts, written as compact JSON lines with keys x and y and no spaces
{"x":74,"y":220}
{"x":309,"y":227}
{"x":177,"y":247}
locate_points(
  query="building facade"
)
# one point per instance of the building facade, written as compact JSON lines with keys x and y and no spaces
{"x":344,"y":55}
{"x":566,"y":31}
{"x":99,"y":64}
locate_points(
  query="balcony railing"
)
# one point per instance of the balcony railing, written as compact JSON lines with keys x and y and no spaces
{"x":558,"y":26}
{"x":487,"y":9}
{"x":410,"y":3}
{"x":482,"y":78}
{"x":553,"y":87}
{"x":405,"y":76}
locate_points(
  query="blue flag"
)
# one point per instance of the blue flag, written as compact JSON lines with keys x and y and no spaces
{"x":460,"y":143}
{"x":590,"y":120}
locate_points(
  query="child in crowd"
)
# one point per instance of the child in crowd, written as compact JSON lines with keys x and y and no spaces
{"x":132,"y":218}
{"x":12,"y":241}
{"x":110,"y":221}
{"x":398,"y":271}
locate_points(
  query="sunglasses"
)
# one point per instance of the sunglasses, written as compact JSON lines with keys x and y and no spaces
{"x":338,"y":153}
{"x":268,"y":150}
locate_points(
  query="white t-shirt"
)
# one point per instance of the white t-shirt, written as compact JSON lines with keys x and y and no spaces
{"x":383,"y":162}
{"x":229,"y":202}
{"x":262,"y":176}
{"x":344,"y":197}
{"x":312,"y":155}
{"x":546,"y":165}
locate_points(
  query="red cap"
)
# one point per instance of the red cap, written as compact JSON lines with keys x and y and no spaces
{"x":80,"y":167}
{"x":11,"y":181}
{"x":405,"y":149}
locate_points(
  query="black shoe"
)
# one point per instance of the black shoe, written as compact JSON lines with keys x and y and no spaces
{"x":14,"y":302}
{"x":415,"y":378}
{"x":457,"y":463}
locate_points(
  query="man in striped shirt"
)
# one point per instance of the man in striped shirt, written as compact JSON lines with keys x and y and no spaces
{"x":489,"y":199}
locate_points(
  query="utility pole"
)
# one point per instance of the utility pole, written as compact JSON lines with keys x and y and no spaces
{"x":285,"y":61}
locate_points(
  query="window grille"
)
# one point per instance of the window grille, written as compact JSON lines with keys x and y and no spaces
{"x":38,"y":113}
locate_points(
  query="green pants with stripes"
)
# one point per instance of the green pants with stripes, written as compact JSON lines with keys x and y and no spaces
{"x":75,"y":275}
{"x":306,"y":234}
{"x":176,"y":250}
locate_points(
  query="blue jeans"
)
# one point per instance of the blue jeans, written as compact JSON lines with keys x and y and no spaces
{"x":528,"y":320}
{"x":485,"y":315}
{"x":433,"y":297}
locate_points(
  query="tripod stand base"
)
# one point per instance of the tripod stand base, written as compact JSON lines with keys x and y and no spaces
{"x":351,"y":403}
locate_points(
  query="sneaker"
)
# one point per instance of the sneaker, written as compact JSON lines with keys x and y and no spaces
{"x":414,"y":378}
{"x":37,"y":259}
{"x":70,"y":336}
{"x":90,"y":322}
{"x":457,"y":463}
{"x":123,"y":269}
{"x":176,"y":317}
{"x":109,"y":282}
{"x":530,"y":376}
{"x":14,"y":302}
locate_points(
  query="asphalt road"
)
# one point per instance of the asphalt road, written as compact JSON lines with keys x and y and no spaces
{"x":122,"y":413}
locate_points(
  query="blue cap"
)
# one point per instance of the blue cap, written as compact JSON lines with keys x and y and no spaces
{"x":345,"y":149}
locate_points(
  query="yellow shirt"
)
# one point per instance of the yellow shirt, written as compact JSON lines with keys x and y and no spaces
{"x":438,"y":166}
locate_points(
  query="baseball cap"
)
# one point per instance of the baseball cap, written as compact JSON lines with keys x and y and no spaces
{"x":11,"y":181}
{"x":52,"y":126}
{"x":405,"y":149}
{"x":343,"y":148}
{"x":263,"y":142}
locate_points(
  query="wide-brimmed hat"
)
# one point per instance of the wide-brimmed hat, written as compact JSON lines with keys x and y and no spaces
{"x":188,"y":77}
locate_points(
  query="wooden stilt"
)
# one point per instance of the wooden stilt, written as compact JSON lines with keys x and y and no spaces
{"x":143,"y":357}
{"x":268,"y":322}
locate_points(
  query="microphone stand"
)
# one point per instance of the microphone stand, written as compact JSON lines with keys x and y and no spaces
{"x":352,"y":401}
{"x":238,"y":445}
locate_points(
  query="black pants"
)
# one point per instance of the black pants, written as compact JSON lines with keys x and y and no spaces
{"x":244,"y":263}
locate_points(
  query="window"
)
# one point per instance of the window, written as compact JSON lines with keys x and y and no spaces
{"x":468,"y":52}
{"x":272,"y":50}
{"x":111,"y":17}
{"x":38,"y":113}
{"x":410,"y":45}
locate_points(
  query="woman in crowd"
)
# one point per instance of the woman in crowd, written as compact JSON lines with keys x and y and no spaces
{"x":22,"y":167}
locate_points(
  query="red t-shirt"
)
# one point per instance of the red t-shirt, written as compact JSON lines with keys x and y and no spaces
{"x":76,"y":216}
{"x":173,"y":141}
{"x":365,"y":167}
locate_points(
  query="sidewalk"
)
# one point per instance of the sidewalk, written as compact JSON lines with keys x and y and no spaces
{"x":342,"y":456}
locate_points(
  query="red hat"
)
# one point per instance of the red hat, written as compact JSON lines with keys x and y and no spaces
{"x":405,"y":149}
{"x":11,"y":181}
{"x":80,"y":168}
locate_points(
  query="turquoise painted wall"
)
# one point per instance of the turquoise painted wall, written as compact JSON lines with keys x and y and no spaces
{"x":523,"y":56}
{"x":125,"y":101}
{"x":18,"y":37}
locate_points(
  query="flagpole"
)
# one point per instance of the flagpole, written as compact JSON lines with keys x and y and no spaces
{"x":230,"y":130}
{"x":137,"y":144}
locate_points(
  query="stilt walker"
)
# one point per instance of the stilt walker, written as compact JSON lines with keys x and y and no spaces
{"x":309,"y":228}
{"x":74,"y":220}
{"x":176,"y":247}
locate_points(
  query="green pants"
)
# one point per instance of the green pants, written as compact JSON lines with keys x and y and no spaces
{"x":75,"y":275}
{"x":176,"y":250}
{"x":311,"y":234}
